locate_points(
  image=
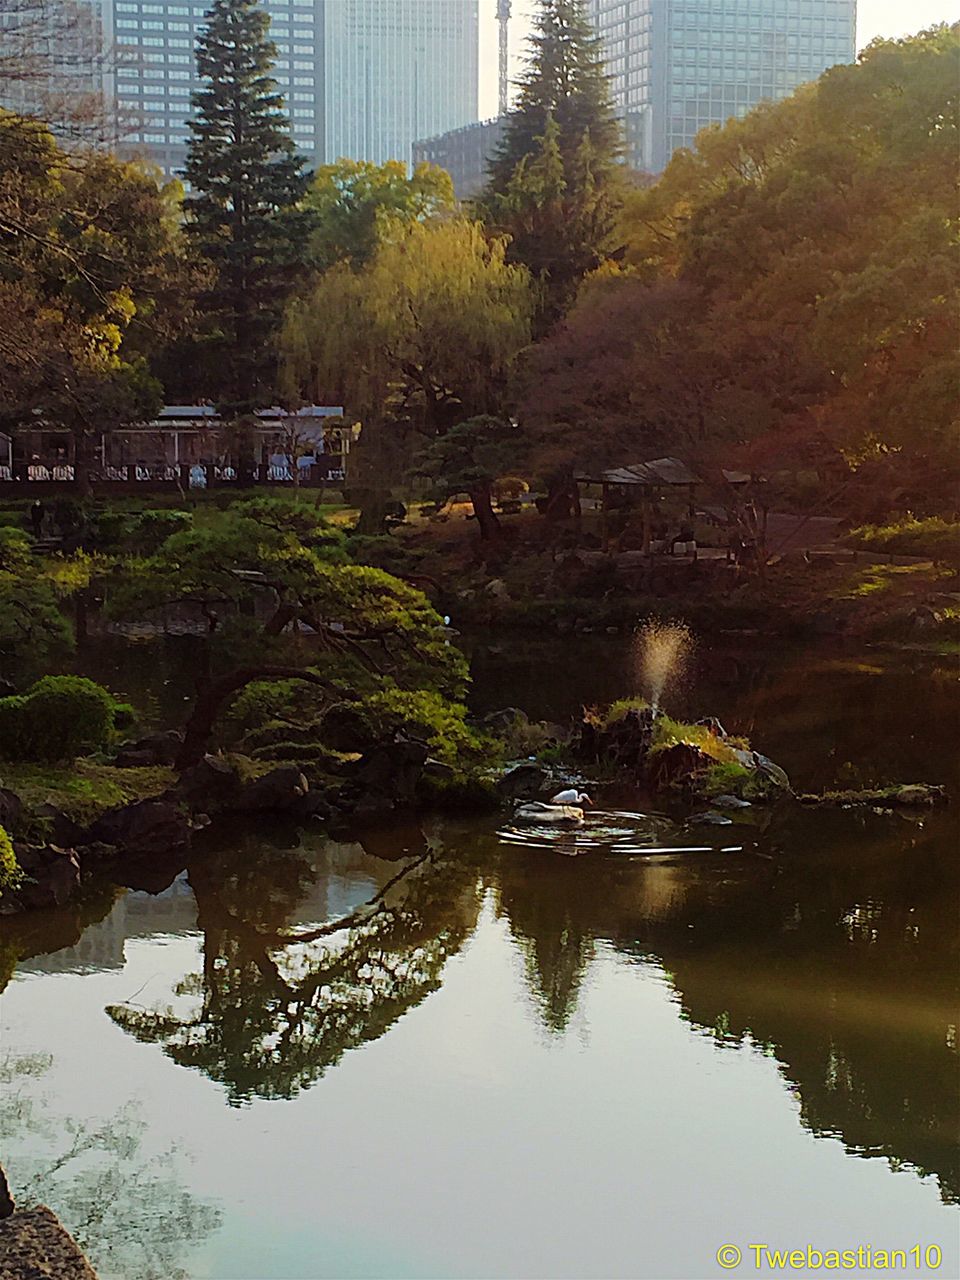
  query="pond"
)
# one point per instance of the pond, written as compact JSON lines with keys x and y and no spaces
{"x":442,"y":1051}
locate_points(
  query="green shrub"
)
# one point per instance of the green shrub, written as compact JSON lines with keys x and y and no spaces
{"x":57,"y":719}
{"x":10,"y":873}
{"x":933,"y":536}
{"x":618,"y":710}
{"x":151,"y":530}
{"x":15,"y":549}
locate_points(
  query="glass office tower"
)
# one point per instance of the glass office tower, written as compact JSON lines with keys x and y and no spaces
{"x":360,"y":78}
{"x":156,"y":72}
{"x":396,"y":71}
{"x":678,"y":65}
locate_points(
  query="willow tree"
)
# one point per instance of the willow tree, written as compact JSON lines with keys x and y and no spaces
{"x":425,"y":336}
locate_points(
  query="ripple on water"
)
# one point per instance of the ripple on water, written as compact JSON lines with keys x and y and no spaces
{"x":609,"y":831}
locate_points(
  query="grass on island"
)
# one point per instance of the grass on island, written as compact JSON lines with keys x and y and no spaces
{"x":83,"y":789}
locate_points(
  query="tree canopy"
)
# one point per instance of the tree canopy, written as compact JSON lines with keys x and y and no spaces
{"x":791,"y":285}
{"x":553,"y":182}
{"x":356,"y":203}
{"x":92,"y":273}
{"x":245,"y":211}
{"x":424,"y":336}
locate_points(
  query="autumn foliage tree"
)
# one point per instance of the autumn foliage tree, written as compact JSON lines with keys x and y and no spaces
{"x":788,"y":293}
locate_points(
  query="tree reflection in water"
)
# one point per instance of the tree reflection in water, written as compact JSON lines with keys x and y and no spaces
{"x":273,"y":1008}
{"x":127,"y":1211}
{"x":837,"y":951}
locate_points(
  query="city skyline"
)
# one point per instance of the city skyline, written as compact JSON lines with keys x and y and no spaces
{"x":888,"y":19}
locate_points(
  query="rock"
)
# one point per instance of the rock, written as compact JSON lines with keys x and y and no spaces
{"x":314,"y":807}
{"x":523,"y":782}
{"x":712,"y":818}
{"x":918,"y":793}
{"x":505,"y":722}
{"x":51,"y":876}
{"x":392,"y":769}
{"x":11,"y":809}
{"x":437,"y":771}
{"x":62,"y":829}
{"x":771,"y":772}
{"x":156,"y":749}
{"x":730,"y":802}
{"x":146,"y":827}
{"x":496,"y":588}
{"x":35,"y":1245}
{"x":677,"y":764}
{"x":278,"y":791}
{"x":7,"y":1205}
{"x":925,"y":618}
{"x":211,"y":782}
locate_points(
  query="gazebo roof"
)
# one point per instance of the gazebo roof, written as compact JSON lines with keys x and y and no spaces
{"x":661,"y":471}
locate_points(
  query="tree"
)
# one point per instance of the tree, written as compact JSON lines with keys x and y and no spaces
{"x":92,"y":274}
{"x":426,"y":335}
{"x":470,"y":458}
{"x":553,"y":184}
{"x":244,"y":214}
{"x":356,"y":204}
{"x":259,"y":573}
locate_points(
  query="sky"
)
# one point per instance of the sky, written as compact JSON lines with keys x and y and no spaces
{"x":889,"y":18}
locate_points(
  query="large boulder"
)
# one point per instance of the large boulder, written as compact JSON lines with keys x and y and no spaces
{"x":523,"y":782}
{"x":60,"y":828}
{"x":391,"y":770}
{"x":279,"y":791}
{"x":146,"y":827}
{"x":35,"y":1245}
{"x":677,"y":765}
{"x":156,"y":749}
{"x":506,"y":722}
{"x":51,"y":877}
{"x":209,"y":784}
{"x":11,"y":809}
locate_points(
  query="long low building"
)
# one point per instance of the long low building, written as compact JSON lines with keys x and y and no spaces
{"x":190,"y":446}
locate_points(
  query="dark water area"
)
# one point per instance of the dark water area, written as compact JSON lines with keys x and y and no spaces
{"x":434,"y":1050}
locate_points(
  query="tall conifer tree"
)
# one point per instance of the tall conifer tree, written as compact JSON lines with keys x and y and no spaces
{"x":247,"y":182}
{"x":552,"y":184}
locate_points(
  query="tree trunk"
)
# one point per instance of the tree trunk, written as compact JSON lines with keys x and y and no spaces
{"x":212,"y":696}
{"x":563,"y":500}
{"x":373,"y":510}
{"x":483,"y":510}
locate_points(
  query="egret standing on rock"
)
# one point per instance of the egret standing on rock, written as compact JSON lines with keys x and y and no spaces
{"x":571,"y":796}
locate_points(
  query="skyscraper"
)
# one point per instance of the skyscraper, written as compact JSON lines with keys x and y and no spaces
{"x":678,"y":65}
{"x":396,"y":71}
{"x":361,"y":78}
{"x":156,"y":71}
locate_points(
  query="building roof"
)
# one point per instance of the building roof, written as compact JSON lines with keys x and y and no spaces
{"x":184,"y":412}
{"x":661,"y":471}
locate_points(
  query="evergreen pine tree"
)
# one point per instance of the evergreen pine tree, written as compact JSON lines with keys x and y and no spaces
{"x":552,"y":183}
{"x":247,"y":182}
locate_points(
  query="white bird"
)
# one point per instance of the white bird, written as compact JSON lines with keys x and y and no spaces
{"x":540,"y":811}
{"x":571,"y":796}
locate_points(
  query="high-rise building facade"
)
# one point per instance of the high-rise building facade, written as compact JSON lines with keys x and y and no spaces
{"x":465,"y":153}
{"x":396,"y":71}
{"x":156,"y":71}
{"x":360,"y":78}
{"x":678,"y":65}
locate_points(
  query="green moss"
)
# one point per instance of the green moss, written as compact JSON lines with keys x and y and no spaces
{"x":617,"y":710}
{"x":84,"y":789}
{"x":726,"y":779}
{"x":10,"y":873}
{"x":669,"y":733}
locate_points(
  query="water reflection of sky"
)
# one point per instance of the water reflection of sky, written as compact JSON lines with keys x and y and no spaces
{"x":604,"y":1065}
{"x":481,"y":1134}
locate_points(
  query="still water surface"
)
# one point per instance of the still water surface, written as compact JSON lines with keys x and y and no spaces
{"x":510,"y":1062}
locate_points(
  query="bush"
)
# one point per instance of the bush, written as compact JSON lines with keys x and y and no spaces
{"x":57,"y":719}
{"x":934,"y":537}
{"x":151,"y":530}
{"x":10,"y":873}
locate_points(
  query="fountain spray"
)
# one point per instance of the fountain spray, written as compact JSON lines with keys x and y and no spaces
{"x":661,"y":652}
